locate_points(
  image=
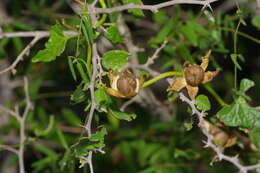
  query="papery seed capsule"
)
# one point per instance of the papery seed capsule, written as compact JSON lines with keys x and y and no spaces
{"x":126,"y":84}
{"x":194,"y":75}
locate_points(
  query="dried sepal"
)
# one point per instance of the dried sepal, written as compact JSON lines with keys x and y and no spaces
{"x":192,"y":91}
{"x":177,"y":84}
{"x":205,"y":61}
{"x":114,"y":93}
{"x":209,"y":75}
{"x":219,"y":136}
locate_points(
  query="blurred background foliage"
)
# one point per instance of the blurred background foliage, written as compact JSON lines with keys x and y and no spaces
{"x":147,"y":144}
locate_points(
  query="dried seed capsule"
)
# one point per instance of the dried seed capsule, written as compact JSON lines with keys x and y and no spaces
{"x":194,"y":75}
{"x":126,"y":84}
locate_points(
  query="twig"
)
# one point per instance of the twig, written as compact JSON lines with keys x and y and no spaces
{"x":37,"y":36}
{"x":92,"y":90}
{"x":22,"y":125}
{"x":151,"y":60}
{"x":95,"y":74}
{"x":129,"y":102}
{"x":153,"y":8}
{"x":21,"y":55}
{"x":209,"y":143}
{"x":6,"y":147}
{"x":30,"y":34}
{"x":21,"y":120}
{"x":10,"y":112}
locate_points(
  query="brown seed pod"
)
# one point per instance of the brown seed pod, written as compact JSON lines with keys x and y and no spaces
{"x":194,"y":75}
{"x":126,"y":83}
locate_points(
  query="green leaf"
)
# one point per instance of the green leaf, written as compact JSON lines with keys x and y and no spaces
{"x":72,"y":70}
{"x":87,"y":29}
{"x":189,"y":154}
{"x":188,"y":125}
{"x":102,"y":98}
{"x":163,"y":33}
{"x":240,"y":114}
{"x":54,"y":46}
{"x":122,"y":115}
{"x":82,"y":72}
{"x":185,"y":53}
{"x":234,"y":59}
{"x":135,"y":12}
{"x":256,"y":21}
{"x":193,"y":31}
{"x":115,"y":59}
{"x":78,"y":95}
{"x":190,"y":34}
{"x":246,"y":84}
{"x":203,"y":103}
{"x":255,"y":136}
{"x":62,"y":138}
{"x":44,"y":132}
{"x":68,"y":162}
{"x":113,"y":34}
{"x":71,"y":117}
{"x":99,"y":136}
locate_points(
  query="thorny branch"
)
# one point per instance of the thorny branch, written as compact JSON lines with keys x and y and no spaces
{"x":21,"y":119}
{"x":96,"y":65}
{"x":153,"y":8}
{"x":209,"y":142}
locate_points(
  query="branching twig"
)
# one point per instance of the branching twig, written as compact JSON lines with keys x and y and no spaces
{"x":21,"y":56}
{"x":21,"y":119}
{"x":209,"y":143}
{"x":37,"y":36}
{"x":6,"y":147}
{"x":41,"y":34}
{"x":151,"y":60}
{"x":95,"y":73}
{"x":153,"y":8}
{"x":22,"y":125}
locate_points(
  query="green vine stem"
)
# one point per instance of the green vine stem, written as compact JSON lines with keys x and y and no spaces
{"x":215,"y":95}
{"x":240,"y":33}
{"x":161,"y":76}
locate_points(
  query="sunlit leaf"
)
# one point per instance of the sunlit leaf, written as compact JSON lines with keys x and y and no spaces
{"x":122,"y":115}
{"x":113,"y":34}
{"x":71,"y":117}
{"x":102,"y":98}
{"x":115,"y":59}
{"x":203,"y":103}
{"x":255,"y":136}
{"x":53,"y":47}
{"x":135,"y":12}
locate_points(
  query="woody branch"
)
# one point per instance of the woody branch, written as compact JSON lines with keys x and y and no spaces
{"x":209,"y":142}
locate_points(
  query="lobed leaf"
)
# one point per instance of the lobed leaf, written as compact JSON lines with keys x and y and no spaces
{"x":53,"y":47}
{"x":202,"y":103}
{"x":122,"y":115}
{"x":113,"y":34}
{"x":115,"y":59}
